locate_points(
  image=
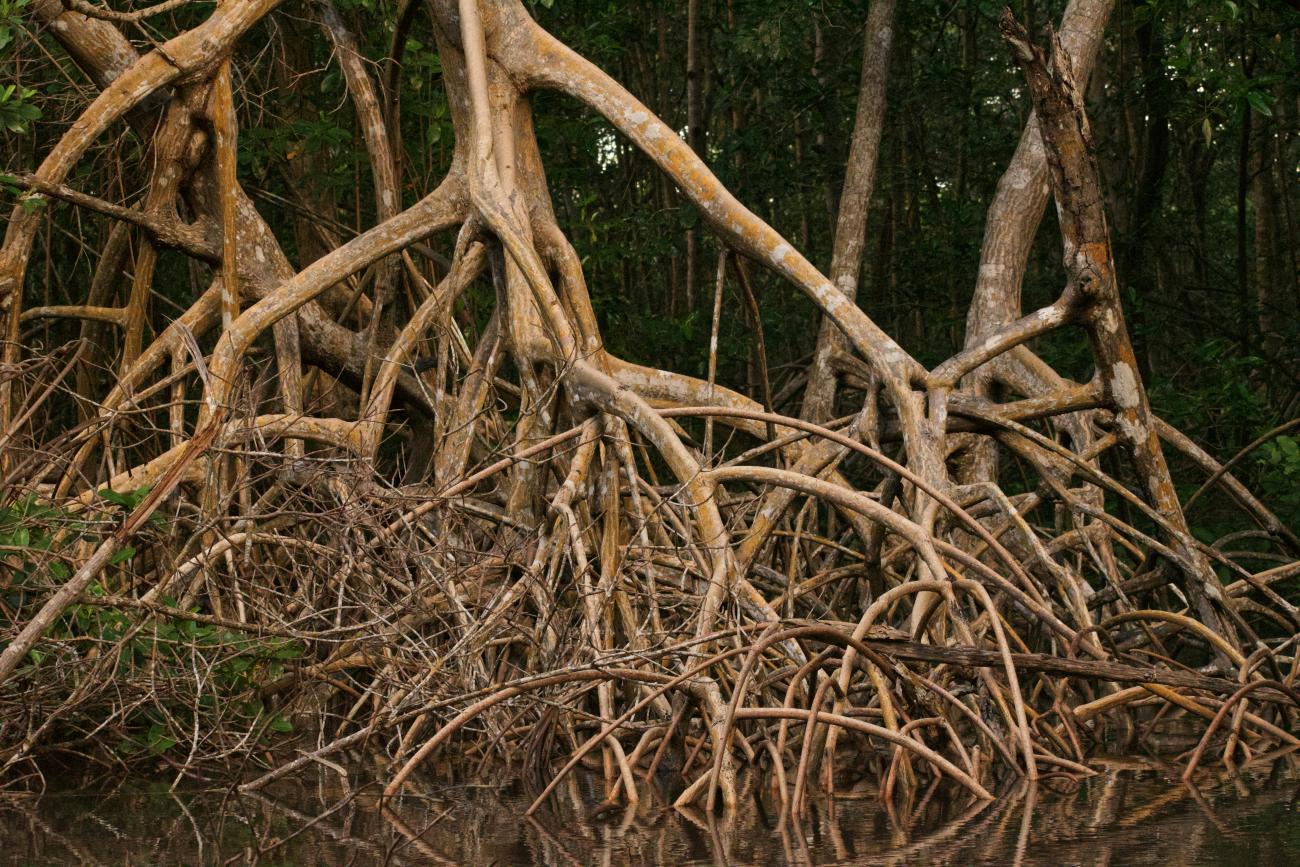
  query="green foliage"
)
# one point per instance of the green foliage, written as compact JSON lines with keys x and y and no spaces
{"x":17,"y":108}
{"x":234,"y":664}
{"x":1283,"y":456}
{"x":163,"y":648}
{"x":11,"y":22}
{"x":35,"y":535}
{"x":17,"y":111}
{"x":1226,"y":403}
{"x":1280,"y":461}
{"x":27,"y":534}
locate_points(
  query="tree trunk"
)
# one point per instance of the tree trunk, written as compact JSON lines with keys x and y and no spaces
{"x":855,"y":199}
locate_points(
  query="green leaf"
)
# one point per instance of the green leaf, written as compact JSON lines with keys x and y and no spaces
{"x":157,"y":740}
{"x":1259,"y":101}
{"x":114,"y":497}
{"x":122,"y":556}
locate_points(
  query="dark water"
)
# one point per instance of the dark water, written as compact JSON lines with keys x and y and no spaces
{"x":1132,"y":814}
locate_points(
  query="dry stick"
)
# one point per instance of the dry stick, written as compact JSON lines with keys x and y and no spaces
{"x":164,"y":187}
{"x":549,"y":677}
{"x":1205,"y":713}
{"x":1213,"y":638}
{"x":206,"y":619}
{"x":1013,"y":681}
{"x":226,"y":129}
{"x":713,"y":351}
{"x":111,"y":315}
{"x":760,"y":340}
{"x":614,"y":725}
{"x":499,"y":695}
{"x":1013,"y":219}
{"x":1218,"y":473}
{"x":162,"y":228}
{"x":469,"y":482}
{"x":767,"y":639}
{"x":603,"y":391}
{"x":805,"y":749}
{"x":567,"y":71}
{"x":923,"y":541}
{"x":606,"y":393}
{"x":191,"y":52}
{"x":553,"y":64}
{"x":1219,"y":717}
{"x":34,"y":405}
{"x":434,"y":212}
{"x":462,"y":273}
{"x":94,"y":10}
{"x":1092,"y":474}
{"x":960,"y":706}
{"x":879,"y":606}
{"x":77,"y":584}
{"x":876,"y":731}
{"x":1087,"y":711}
{"x":1006,"y":338}
{"x":227,"y":469}
{"x":1038,"y":607}
{"x":383,"y":166}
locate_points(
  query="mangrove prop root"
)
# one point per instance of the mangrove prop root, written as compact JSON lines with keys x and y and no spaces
{"x":556,"y":570}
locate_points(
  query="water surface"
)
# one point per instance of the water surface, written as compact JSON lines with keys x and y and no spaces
{"x":1133,"y":813}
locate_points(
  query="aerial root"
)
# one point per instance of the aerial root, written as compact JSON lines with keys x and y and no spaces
{"x":467,"y":538}
{"x":433,"y":632}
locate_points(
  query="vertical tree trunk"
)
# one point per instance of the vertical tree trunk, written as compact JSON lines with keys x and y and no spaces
{"x":1267,"y":258}
{"x":1246,"y":326}
{"x":855,"y":199}
{"x":1013,"y":219}
{"x":694,"y":133}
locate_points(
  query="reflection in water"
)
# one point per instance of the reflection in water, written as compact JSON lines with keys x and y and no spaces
{"x":1131,"y":813}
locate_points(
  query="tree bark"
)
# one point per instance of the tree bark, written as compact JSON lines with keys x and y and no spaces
{"x":1013,"y":218}
{"x":855,"y":200}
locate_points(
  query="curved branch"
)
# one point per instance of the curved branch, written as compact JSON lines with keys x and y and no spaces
{"x":436,"y":211}
{"x":552,"y":64}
